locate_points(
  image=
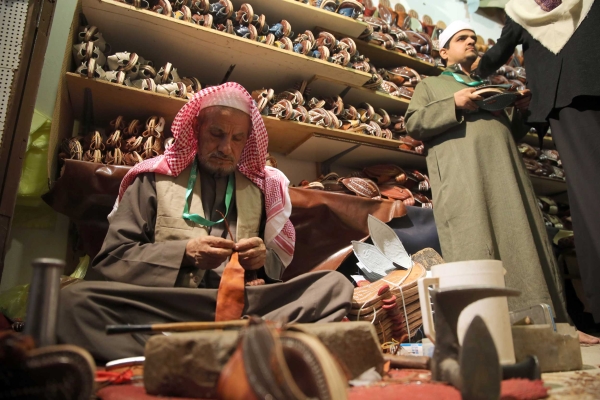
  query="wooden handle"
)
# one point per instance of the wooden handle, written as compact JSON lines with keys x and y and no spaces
{"x":174,"y":327}
{"x":408,"y":362}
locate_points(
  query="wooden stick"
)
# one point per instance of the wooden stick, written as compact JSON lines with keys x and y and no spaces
{"x":410,"y":362}
{"x":174,"y":327}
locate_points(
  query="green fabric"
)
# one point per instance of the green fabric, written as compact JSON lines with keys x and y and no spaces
{"x":484,"y":204}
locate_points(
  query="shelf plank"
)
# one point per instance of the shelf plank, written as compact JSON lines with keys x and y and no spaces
{"x":383,"y":58}
{"x":207,"y":53}
{"x":320,"y":147}
{"x":548,"y":186}
{"x":111,"y":100}
{"x":303,"y":16}
{"x":325,"y":87}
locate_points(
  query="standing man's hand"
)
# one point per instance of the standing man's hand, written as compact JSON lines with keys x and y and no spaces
{"x":208,"y":252}
{"x":252,"y":253}
{"x":465,"y":99}
{"x":523,"y":103}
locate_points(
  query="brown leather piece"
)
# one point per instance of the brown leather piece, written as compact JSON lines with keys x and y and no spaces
{"x":230,"y":297}
{"x":325,"y":222}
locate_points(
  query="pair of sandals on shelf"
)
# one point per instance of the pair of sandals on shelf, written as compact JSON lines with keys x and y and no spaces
{"x":126,"y":144}
{"x":397,"y":82}
{"x":386,"y":31}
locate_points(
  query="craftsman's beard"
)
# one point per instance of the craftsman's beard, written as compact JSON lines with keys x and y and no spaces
{"x":217,"y":164}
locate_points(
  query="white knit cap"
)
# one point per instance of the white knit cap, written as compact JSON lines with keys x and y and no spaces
{"x":452,"y":30}
{"x":227,"y":98}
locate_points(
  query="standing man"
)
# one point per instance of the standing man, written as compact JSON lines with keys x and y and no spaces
{"x":485,"y":207}
{"x":167,"y":244}
{"x":560,"y":45}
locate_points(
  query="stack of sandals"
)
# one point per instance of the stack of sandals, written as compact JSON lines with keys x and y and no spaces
{"x":93,"y":61}
{"x":297,"y":104}
{"x":391,"y":304}
{"x":248,"y":24}
{"x":545,"y":162}
{"x":395,"y":30}
{"x":126,"y":143}
{"x":379,"y":181}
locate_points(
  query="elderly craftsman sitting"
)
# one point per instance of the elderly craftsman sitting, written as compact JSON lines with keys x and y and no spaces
{"x":167,"y":244}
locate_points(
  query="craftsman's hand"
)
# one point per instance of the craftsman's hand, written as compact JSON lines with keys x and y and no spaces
{"x":465,"y":99}
{"x":208,"y":252}
{"x":252,"y":253}
{"x":523,"y":103}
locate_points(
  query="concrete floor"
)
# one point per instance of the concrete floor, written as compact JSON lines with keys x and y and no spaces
{"x":577,"y":385}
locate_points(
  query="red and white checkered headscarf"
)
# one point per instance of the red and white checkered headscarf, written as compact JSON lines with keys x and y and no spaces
{"x":280,"y":235}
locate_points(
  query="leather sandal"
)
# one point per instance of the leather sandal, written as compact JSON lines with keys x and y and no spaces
{"x":163,"y":7}
{"x":349,"y":45}
{"x":133,"y":129}
{"x":114,"y":157}
{"x":167,"y":74}
{"x":375,"y":82}
{"x":362,"y":187}
{"x":221,"y":11}
{"x":124,"y":61}
{"x":351,"y":8}
{"x":406,"y":48}
{"x":262,"y":98}
{"x":281,"y":29}
{"x":283,"y":109}
{"x":82,"y":52}
{"x":154,"y":127}
{"x":302,"y":114}
{"x":91,"y":70}
{"x":114,"y":140}
{"x":72,"y":149}
{"x":294,"y":96}
{"x":335,"y":105}
{"x":203,"y":20}
{"x":132,"y":158}
{"x":184,"y":14}
{"x":134,"y":143}
{"x":90,"y":33}
{"x":342,"y":57}
{"x":145,"y":84}
{"x":192,"y":84}
{"x":245,"y":15}
{"x":117,"y":77}
{"x":143,"y":4}
{"x":94,"y":156}
{"x":118,"y":123}
{"x":175,"y":89}
{"x":151,"y":147}
{"x":349,"y":114}
{"x":200,"y":7}
{"x":365,"y":112}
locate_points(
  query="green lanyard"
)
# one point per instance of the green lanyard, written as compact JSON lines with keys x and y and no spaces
{"x":461,"y":80}
{"x":188,"y":195}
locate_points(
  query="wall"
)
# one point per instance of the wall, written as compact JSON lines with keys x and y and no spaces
{"x":27,"y":243}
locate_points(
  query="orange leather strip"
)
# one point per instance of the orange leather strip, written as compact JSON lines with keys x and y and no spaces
{"x":230,"y":298}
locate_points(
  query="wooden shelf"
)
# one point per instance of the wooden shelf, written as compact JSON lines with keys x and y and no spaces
{"x":548,"y":186}
{"x":207,"y":53}
{"x":325,"y":87}
{"x":532,"y":139}
{"x":383,"y":58}
{"x":111,"y":100}
{"x":303,"y":16}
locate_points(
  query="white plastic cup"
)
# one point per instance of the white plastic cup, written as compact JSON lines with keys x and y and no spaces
{"x":494,"y":310}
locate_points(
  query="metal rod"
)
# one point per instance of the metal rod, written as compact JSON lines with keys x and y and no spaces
{"x":175,"y":327}
{"x":42,"y":307}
